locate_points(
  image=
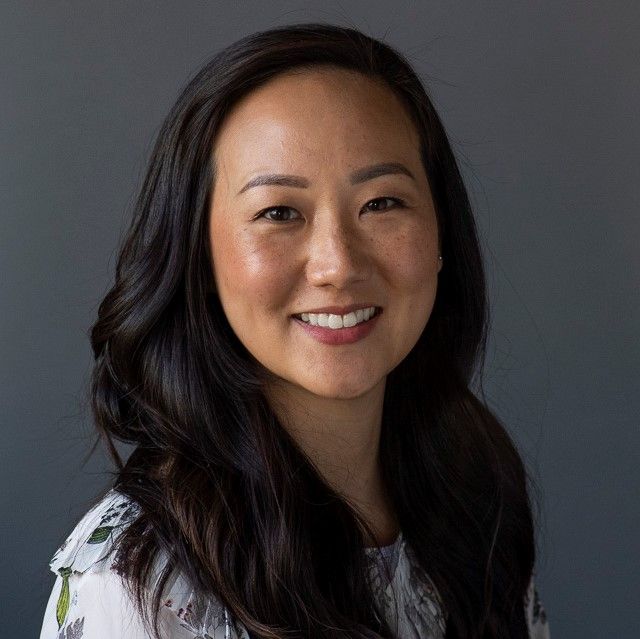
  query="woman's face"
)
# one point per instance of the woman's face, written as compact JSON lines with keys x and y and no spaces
{"x":336,"y":237}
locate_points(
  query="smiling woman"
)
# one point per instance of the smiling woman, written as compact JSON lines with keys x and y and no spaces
{"x":298,"y":311}
{"x":337,"y":250}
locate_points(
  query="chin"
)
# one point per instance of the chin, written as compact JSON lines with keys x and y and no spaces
{"x":341,"y":391}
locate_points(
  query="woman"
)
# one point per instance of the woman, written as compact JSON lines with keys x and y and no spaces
{"x":298,"y":310}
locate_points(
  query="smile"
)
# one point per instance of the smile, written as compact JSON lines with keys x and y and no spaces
{"x":336,"y":322}
{"x":338,"y":332}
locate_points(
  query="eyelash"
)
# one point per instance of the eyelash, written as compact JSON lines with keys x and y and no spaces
{"x":399,"y":202}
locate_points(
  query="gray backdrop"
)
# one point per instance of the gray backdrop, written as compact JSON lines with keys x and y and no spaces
{"x":541,"y":103}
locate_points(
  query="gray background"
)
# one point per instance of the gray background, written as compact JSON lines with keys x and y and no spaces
{"x":541,"y":102}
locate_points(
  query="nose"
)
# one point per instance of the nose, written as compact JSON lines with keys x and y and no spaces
{"x":337,"y":252}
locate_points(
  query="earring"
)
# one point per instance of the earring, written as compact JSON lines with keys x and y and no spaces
{"x":439,"y":257}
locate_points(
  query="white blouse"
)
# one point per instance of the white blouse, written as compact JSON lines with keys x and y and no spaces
{"x":89,"y":599}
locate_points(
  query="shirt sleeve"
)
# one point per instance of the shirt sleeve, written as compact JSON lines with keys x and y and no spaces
{"x":90,"y":599}
{"x":92,"y":605}
{"x":536,"y":616}
{"x":97,"y":604}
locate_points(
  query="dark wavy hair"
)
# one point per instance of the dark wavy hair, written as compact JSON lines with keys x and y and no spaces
{"x":227,"y":497}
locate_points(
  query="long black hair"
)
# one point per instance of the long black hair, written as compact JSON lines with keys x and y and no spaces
{"x":226,"y":496}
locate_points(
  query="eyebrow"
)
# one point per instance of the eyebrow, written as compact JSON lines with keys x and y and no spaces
{"x":357,"y":177}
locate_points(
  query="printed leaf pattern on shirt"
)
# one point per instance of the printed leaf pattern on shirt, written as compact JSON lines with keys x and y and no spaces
{"x":420,"y":613}
{"x":62,"y":608}
{"x":73,"y":631}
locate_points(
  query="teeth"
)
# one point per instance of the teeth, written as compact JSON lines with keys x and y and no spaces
{"x":328,"y":320}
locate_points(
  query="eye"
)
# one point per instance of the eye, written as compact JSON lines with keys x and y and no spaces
{"x":278,"y":209}
{"x":397,"y":200}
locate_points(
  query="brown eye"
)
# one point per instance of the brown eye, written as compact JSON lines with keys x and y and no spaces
{"x":278,"y":217}
{"x":398,"y":202}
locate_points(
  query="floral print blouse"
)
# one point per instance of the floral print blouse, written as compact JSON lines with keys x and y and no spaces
{"x":89,"y":600}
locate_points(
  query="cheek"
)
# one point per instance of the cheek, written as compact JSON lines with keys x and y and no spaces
{"x":411,"y":256}
{"x":250,"y":272}
{"x":413,"y":272}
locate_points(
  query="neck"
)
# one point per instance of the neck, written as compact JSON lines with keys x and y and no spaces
{"x":341,"y":438}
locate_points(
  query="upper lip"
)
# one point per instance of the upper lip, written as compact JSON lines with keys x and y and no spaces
{"x":340,"y":310}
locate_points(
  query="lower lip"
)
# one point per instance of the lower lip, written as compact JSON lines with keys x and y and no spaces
{"x":340,"y":335}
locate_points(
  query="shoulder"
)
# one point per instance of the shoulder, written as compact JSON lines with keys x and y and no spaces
{"x":535,"y":613}
{"x":90,"y":599}
{"x":92,"y":540}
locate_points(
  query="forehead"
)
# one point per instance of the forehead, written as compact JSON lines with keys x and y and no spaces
{"x":315,"y":119}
